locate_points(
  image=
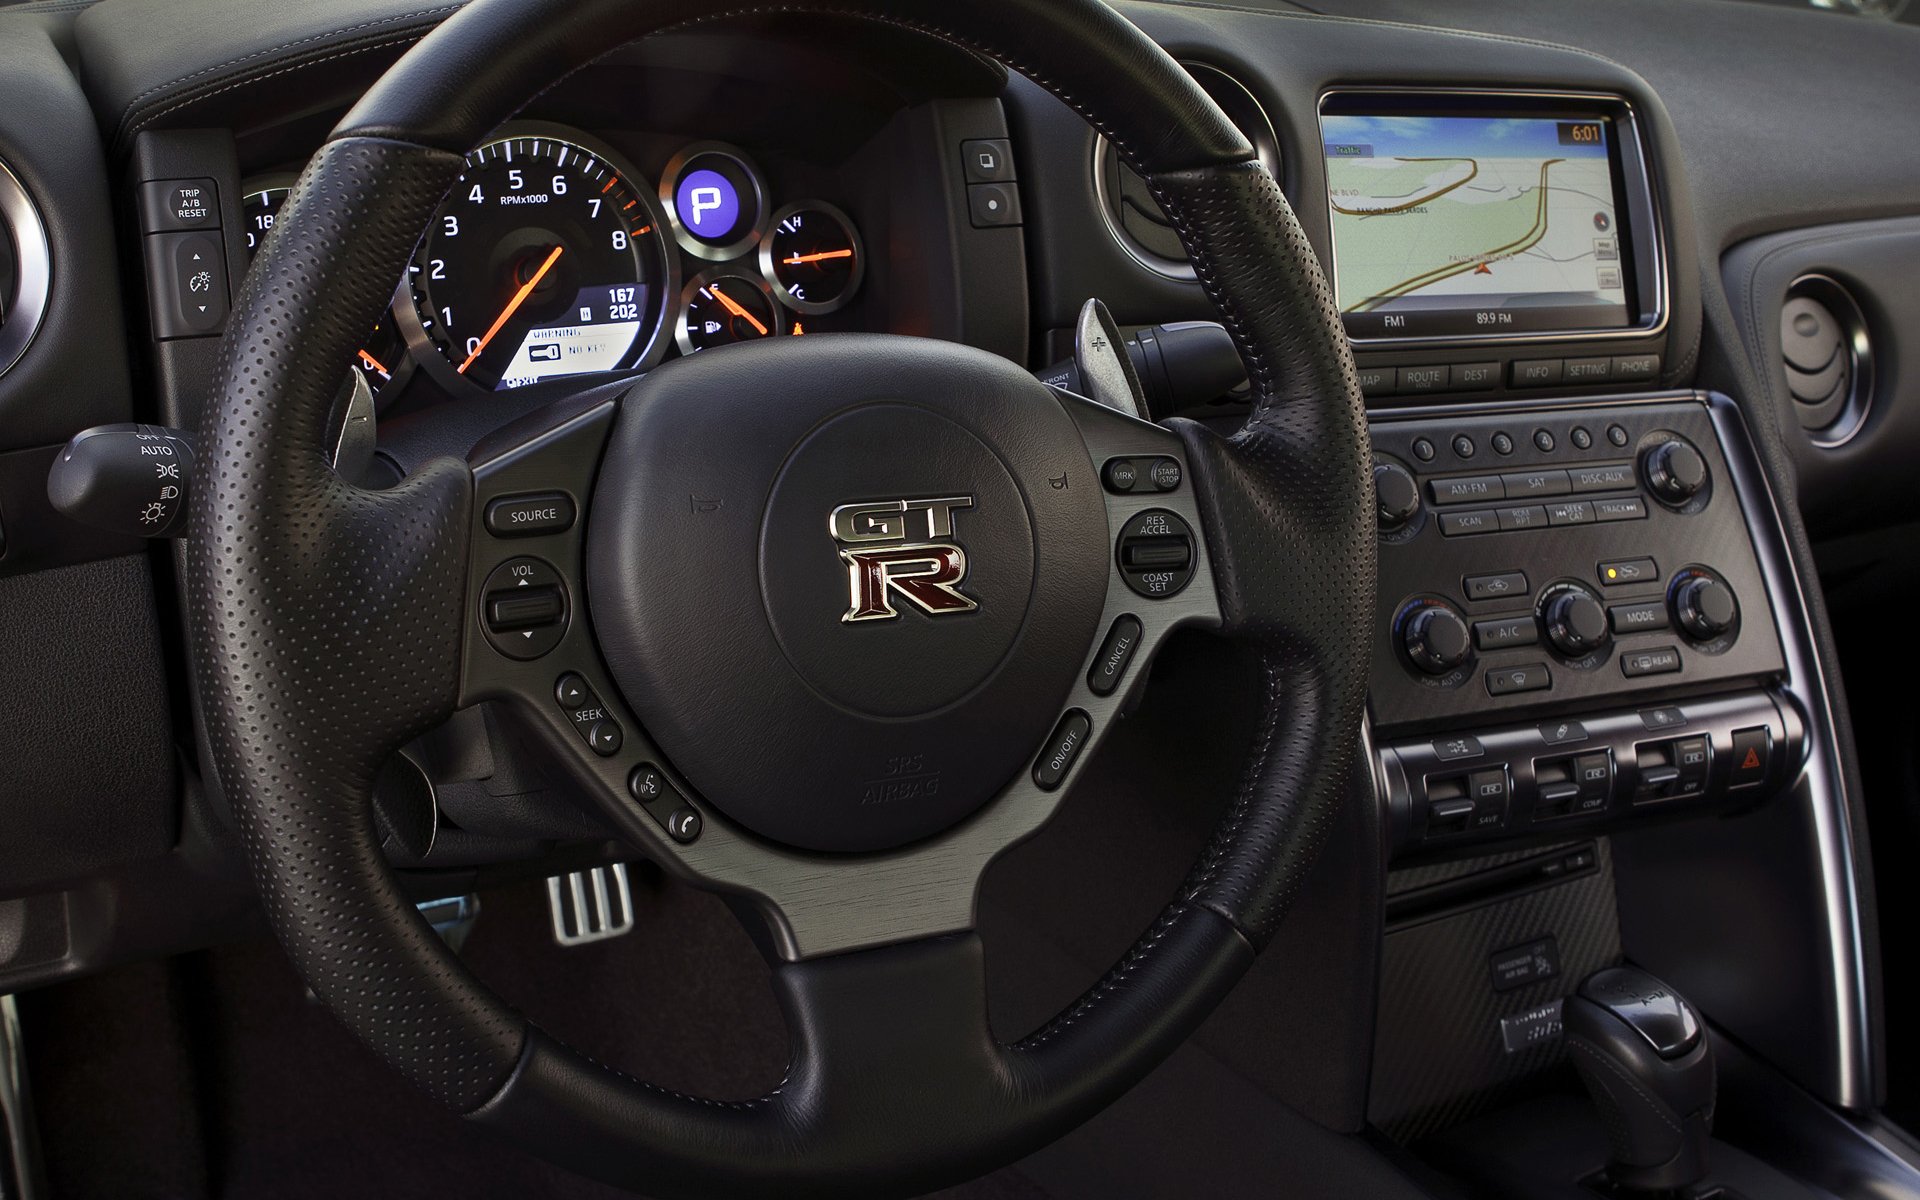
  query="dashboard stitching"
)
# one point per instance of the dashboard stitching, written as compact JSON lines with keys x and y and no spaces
{"x":1476,"y":35}
{"x":136,"y":119}
{"x":303,"y":64}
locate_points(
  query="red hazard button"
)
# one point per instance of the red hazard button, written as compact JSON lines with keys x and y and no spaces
{"x":1751,"y":750}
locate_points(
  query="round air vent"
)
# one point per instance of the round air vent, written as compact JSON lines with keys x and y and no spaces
{"x":25,"y":270}
{"x":1828,"y":358}
{"x":1134,"y":217}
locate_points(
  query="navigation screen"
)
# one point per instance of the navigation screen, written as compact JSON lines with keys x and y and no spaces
{"x":1450,"y":225}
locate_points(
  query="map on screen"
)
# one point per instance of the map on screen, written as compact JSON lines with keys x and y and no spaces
{"x":1449,"y":224}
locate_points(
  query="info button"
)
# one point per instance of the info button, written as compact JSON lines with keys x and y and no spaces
{"x":530,"y":516}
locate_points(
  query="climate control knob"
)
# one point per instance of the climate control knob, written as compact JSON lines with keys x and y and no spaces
{"x":1576,"y":621}
{"x":1704,"y":607}
{"x":1396,"y":493}
{"x":1675,"y":471}
{"x":1436,"y":639}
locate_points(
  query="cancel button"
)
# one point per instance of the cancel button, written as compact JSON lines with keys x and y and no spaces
{"x":530,"y":516}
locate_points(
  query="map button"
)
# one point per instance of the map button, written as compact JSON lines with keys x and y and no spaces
{"x":1376,"y":381}
{"x":1538,"y":372}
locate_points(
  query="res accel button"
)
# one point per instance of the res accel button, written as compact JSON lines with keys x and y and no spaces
{"x":530,"y":516}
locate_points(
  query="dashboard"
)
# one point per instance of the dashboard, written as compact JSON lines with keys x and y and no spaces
{"x":1597,"y":648}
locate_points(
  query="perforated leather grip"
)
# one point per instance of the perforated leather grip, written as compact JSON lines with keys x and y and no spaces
{"x":327,"y":622}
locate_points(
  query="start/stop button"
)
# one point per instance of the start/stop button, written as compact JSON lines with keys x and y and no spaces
{"x":1156,"y":553}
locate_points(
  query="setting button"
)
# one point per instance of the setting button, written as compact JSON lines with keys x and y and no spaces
{"x":531,"y":515}
{"x":1069,"y":738}
{"x":1110,"y":666}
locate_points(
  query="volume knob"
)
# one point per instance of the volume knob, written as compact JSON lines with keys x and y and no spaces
{"x":1704,"y":607}
{"x":1576,"y":622}
{"x":1675,"y":471}
{"x":1396,"y":493}
{"x":1436,"y":640}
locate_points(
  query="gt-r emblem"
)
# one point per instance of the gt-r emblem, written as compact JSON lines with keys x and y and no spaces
{"x":897,"y":551}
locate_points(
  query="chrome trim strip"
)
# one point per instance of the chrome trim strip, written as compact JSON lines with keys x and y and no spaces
{"x":23,"y":1172}
{"x":34,"y":265}
{"x":1807,"y":682}
{"x":1638,"y":168}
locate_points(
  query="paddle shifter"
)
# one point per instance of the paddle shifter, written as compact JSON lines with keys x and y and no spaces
{"x":1643,"y":1055}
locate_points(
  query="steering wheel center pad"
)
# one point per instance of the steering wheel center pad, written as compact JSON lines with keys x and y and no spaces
{"x":772,"y":534}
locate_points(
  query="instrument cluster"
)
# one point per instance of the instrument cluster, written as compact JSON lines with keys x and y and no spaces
{"x":552,"y":256}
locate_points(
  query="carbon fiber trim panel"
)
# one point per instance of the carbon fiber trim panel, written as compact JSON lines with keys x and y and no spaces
{"x":1438,"y":1054}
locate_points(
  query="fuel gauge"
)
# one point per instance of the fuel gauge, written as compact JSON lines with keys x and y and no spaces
{"x":813,"y":257}
{"x":719,"y":308}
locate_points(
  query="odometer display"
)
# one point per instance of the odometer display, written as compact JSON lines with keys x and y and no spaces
{"x":546,"y":260}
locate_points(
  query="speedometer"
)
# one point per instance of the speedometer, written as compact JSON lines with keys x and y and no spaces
{"x":548,"y":258}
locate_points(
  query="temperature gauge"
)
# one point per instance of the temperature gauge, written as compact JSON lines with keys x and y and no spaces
{"x":813,"y":257}
{"x":720,"y":307}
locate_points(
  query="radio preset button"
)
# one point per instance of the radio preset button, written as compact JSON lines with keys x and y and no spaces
{"x":1581,"y":439}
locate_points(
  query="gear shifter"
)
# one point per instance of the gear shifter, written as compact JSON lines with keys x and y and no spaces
{"x":1643,"y":1054}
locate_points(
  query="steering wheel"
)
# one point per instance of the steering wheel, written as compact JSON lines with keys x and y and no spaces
{"x":840,"y":616}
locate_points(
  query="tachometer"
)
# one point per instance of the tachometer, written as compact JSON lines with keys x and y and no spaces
{"x":547,"y":259}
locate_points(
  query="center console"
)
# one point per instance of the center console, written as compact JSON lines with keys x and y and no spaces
{"x":1572,"y":625}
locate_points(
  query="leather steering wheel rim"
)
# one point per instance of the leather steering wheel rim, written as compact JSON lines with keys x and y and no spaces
{"x":327,"y":624}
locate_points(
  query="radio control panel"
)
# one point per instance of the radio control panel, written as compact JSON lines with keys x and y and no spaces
{"x":1557,"y":559}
